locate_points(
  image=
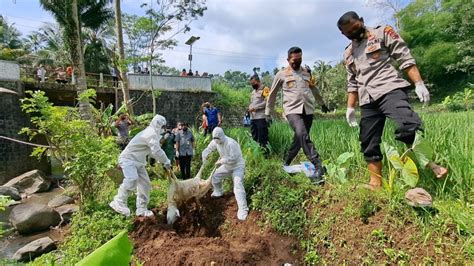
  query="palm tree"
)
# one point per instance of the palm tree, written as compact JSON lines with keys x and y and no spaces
{"x":52,"y":49}
{"x":321,"y":70}
{"x":71,"y":16}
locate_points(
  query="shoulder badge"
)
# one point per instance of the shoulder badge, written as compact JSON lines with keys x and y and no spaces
{"x":265,"y":92}
{"x":390,"y":32}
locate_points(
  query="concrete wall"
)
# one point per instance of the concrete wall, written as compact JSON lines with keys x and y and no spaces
{"x":169,"y":83}
{"x":9,"y":70}
{"x":182,"y":106}
{"x":15,"y":158}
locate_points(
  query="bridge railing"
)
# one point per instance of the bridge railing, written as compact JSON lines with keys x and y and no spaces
{"x":109,"y":82}
{"x":29,"y":74}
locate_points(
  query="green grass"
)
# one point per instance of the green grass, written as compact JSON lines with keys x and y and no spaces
{"x":287,"y":203}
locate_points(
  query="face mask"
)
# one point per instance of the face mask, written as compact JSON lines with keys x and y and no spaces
{"x":357,"y":35}
{"x":255,"y":86}
{"x":296,"y":65}
{"x":218,"y":141}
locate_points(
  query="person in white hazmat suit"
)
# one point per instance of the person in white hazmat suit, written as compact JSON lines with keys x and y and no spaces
{"x":132,"y":160}
{"x":231,"y":164}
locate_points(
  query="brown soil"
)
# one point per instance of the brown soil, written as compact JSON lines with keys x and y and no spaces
{"x":211,"y":235}
{"x":384,"y":238}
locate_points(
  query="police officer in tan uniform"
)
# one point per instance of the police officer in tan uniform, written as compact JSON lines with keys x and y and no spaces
{"x":381,"y":91}
{"x":258,"y":126}
{"x":298,"y":106}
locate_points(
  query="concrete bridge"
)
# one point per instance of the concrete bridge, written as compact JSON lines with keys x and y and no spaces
{"x":180,"y":100}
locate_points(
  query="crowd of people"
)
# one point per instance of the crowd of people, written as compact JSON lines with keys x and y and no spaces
{"x":189,"y":73}
{"x":373,"y":82}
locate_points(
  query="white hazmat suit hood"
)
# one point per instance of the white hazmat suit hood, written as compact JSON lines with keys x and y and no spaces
{"x":132,"y":160}
{"x":145,"y":143}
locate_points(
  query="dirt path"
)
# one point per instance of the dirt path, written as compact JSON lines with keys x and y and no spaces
{"x":211,"y":234}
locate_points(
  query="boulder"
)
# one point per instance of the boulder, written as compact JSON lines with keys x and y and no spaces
{"x":30,"y":182}
{"x":418,"y":197}
{"x":10,"y":192}
{"x":66,"y":211}
{"x":32,"y":217}
{"x":60,"y":200}
{"x":34,"y":249}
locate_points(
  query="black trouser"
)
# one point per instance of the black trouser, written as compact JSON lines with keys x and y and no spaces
{"x":185,"y":166}
{"x":210,"y":128}
{"x":301,"y":125}
{"x":395,"y":106}
{"x":259,"y":129}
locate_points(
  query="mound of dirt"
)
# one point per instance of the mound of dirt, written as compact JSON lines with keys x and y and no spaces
{"x":210,"y":234}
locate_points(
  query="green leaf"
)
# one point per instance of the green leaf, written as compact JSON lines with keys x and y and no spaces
{"x":422,"y":150}
{"x":117,"y":251}
{"x":342,"y":159}
{"x":410,"y":173}
{"x":393,"y":156}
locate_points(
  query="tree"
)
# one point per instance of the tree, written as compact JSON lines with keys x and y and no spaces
{"x":72,"y":15}
{"x":52,"y":48}
{"x":11,"y":46}
{"x":389,"y":7}
{"x":331,"y":82}
{"x":163,"y":19}
{"x":9,"y":35}
{"x":320,"y":70}
{"x":122,"y":64}
{"x":440,"y":33}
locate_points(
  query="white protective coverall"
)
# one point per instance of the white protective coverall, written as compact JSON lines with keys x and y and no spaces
{"x":132,"y":160}
{"x":232,"y":164}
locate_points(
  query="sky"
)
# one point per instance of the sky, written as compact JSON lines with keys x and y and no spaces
{"x":240,"y":34}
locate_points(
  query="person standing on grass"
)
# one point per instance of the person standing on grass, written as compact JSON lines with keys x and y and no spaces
{"x":133,"y":162}
{"x":204,"y":119}
{"x":298,"y":105}
{"x":168,"y":144}
{"x":213,"y":117}
{"x":122,"y":124}
{"x":258,"y":124}
{"x":185,"y":146}
{"x":176,"y":131}
{"x":377,"y":85}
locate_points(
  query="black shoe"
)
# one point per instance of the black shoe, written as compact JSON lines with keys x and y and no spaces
{"x":317,"y":180}
{"x":318,"y":177}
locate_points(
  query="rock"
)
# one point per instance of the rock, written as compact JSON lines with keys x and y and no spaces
{"x":66,"y":211}
{"x":418,"y":197}
{"x":60,"y":200}
{"x":34,"y":249}
{"x":32,"y":217}
{"x":10,"y":192}
{"x":30,"y":182}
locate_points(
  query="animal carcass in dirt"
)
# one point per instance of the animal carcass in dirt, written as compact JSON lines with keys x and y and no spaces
{"x":180,"y":191}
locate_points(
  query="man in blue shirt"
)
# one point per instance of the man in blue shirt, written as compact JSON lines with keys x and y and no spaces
{"x":213,"y":116}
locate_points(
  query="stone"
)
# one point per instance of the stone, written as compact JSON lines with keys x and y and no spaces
{"x":60,"y":200}
{"x":31,"y":217}
{"x":34,"y":249}
{"x":418,"y":197}
{"x":66,"y":211}
{"x":30,"y":182}
{"x":10,"y":192}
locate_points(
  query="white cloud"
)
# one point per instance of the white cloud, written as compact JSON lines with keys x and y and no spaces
{"x":239,"y":35}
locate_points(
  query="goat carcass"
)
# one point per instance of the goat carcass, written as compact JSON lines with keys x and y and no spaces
{"x":180,"y":191}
